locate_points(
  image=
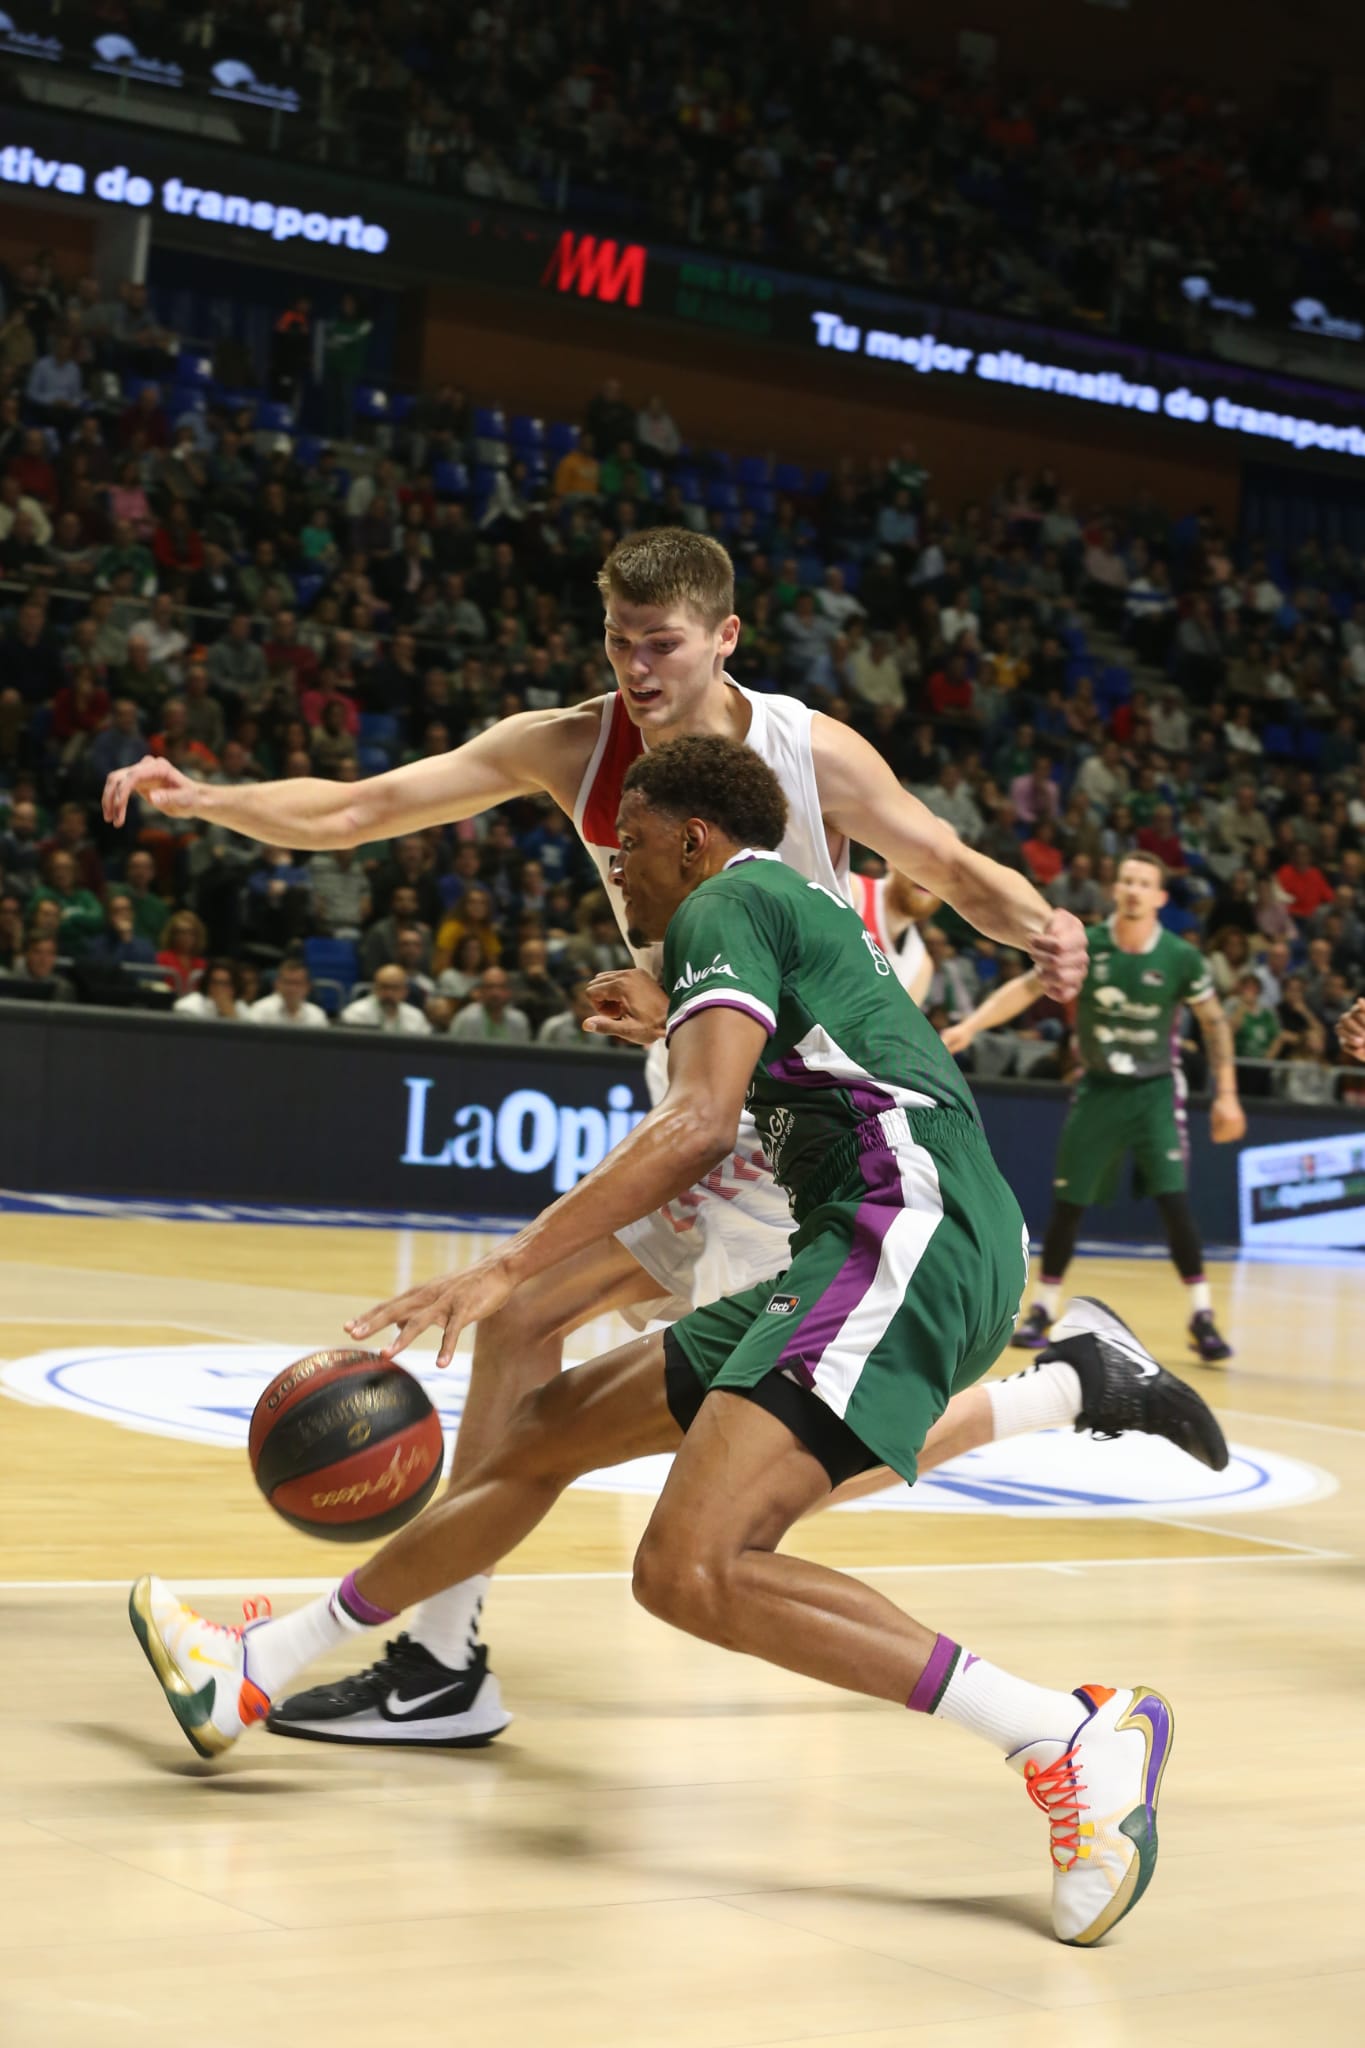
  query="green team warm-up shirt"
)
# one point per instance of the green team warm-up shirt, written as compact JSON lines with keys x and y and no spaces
{"x":845,"y":1041}
{"x":1129,"y":1007}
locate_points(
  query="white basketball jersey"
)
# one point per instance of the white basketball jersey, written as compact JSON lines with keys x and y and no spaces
{"x":906,"y":953}
{"x":779,"y":732}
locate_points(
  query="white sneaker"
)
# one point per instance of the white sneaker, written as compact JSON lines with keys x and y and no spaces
{"x":1099,"y":1792}
{"x":202,"y":1667}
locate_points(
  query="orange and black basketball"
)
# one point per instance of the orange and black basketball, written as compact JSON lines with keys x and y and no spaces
{"x":345,"y":1446}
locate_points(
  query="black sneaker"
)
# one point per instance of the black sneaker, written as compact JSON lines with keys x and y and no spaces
{"x":1123,"y":1387}
{"x":408,"y":1697}
{"x":1031,"y":1334}
{"x":1208,"y":1343}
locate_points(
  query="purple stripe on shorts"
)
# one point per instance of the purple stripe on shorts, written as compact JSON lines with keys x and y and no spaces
{"x":872,"y":1219}
{"x":932,"y":1682}
{"x":353,"y":1601}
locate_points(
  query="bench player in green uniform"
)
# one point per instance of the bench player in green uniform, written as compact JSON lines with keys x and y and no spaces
{"x":1130,"y":1098}
{"x":906,"y":1269}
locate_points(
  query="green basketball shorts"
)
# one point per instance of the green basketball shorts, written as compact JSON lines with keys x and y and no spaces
{"x":903,"y":1286}
{"x":1110,"y":1119}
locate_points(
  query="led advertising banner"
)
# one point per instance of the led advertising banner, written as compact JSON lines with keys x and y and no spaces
{"x":1305,"y":1193}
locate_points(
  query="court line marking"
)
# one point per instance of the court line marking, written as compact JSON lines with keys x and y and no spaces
{"x":1271,"y":1542}
{"x":1294,"y":1422}
{"x":229,"y":1587}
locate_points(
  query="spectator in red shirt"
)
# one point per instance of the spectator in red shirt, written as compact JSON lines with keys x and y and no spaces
{"x":1044,"y":856}
{"x":950,"y":692}
{"x":1306,"y":886}
{"x":176,"y":545}
{"x":184,"y":943}
{"x":314,"y":700}
{"x":37,"y":477}
{"x":79,"y":709}
{"x":285,"y":650}
{"x":1162,"y":839}
{"x":144,"y":417}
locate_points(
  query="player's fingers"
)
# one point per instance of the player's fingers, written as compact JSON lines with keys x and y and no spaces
{"x":454,"y":1327}
{"x":377,"y":1318}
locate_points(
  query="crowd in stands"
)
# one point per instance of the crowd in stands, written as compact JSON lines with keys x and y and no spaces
{"x":696,"y":123}
{"x":1061,"y":682}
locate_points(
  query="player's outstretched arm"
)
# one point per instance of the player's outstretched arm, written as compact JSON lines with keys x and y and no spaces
{"x":1227,"y":1116}
{"x":1003,"y":1004}
{"x":532,"y":750}
{"x":712,"y":1058}
{"x":860,"y":797}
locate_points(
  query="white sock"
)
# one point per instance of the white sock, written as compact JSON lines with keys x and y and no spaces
{"x":1047,"y":1295}
{"x":1200,"y":1298}
{"x":278,"y":1650}
{"x":1007,"y":1711}
{"x":448,"y":1623}
{"x":1042,"y":1396}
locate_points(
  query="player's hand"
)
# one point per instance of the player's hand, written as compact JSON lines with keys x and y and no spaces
{"x":1227,"y":1120}
{"x":1351,"y":1031}
{"x":158,"y":784}
{"x":1061,"y":956}
{"x":958,"y":1037}
{"x":629,"y":1003}
{"x":450,"y":1304}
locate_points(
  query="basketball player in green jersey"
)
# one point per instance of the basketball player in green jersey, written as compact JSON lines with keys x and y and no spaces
{"x":1130,"y":1098}
{"x":903,"y":1282}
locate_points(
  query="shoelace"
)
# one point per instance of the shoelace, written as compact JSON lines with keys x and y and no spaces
{"x":402,"y":1658}
{"x":1058,"y":1792}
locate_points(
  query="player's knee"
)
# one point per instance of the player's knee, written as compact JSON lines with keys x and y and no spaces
{"x":680,"y":1585}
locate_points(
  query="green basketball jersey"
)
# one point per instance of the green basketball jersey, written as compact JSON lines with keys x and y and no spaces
{"x":845,"y":1042}
{"x":1129,"y":1007}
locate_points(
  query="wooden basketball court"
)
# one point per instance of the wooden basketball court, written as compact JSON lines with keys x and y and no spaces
{"x":670,"y":1848}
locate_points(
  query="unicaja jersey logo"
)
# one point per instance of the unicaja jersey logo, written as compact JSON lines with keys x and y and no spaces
{"x":692,"y":976}
{"x":610,"y":272}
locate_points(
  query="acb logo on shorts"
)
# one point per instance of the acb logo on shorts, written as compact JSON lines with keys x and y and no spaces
{"x":782,"y":1304}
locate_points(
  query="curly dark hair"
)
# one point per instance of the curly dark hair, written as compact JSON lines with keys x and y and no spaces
{"x":721,"y":781}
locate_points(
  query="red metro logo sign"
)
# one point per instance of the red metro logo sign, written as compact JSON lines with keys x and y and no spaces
{"x":611,"y":272}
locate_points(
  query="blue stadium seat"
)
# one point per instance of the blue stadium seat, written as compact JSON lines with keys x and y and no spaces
{"x":762,"y":498}
{"x":561,"y":436}
{"x":527,"y":432}
{"x":378,"y":729}
{"x":374,"y":760}
{"x":1278,"y":741}
{"x":811,"y":570}
{"x":490,"y":423}
{"x":308,"y":447}
{"x":1073,"y":639}
{"x":308,"y":587}
{"x":274,"y":417}
{"x":853,"y":575}
{"x":451,"y":480}
{"x":1310,"y":745}
{"x":334,"y":960}
{"x":789,"y":476}
{"x":372,"y":402}
{"x":719,"y":462}
{"x":817,"y":483}
{"x":722,"y":496}
{"x":194,"y":372}
{"x":184,"y":398}
{"x":1116,"y":682}
{"x":241,"y":401}
{"x":754,"y":469}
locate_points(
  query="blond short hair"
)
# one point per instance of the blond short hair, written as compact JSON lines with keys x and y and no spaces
{"x":668,"y":565}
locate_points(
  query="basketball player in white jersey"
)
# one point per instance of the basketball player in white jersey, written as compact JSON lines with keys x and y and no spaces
{"x":670,"y":626}
{"x":893,"y":908}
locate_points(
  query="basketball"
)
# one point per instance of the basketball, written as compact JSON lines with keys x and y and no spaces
{"x":345,"y":1446}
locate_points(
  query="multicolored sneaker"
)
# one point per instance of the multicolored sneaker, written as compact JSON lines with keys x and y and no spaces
{"x":1208,"y":1343}
{"x":1099,"y":1792}
{"x":202,"y":1666}
{"x":1032,"y":1333}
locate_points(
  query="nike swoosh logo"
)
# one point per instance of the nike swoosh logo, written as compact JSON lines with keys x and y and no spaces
{"x":196,"y":1656}
{"x":399,"y":1708}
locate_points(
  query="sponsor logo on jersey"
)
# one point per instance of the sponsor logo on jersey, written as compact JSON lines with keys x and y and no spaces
{"x":782,"y":1304}
{"x":204,"y":1393}
{"x":1151,"y":979}
{"x":691,"y":976}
